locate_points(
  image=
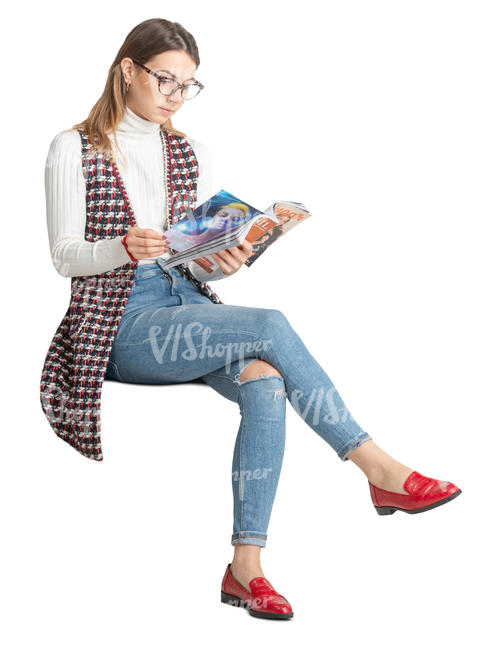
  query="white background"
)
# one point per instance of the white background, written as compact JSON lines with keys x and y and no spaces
{"x":383,"y":117}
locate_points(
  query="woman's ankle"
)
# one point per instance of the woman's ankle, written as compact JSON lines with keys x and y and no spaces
{"x":246,"y":564}
{"x":391,"y":477}
{"x":244,"y":573}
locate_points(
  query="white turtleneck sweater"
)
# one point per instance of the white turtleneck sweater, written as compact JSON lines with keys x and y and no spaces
{"x":142,"y":170}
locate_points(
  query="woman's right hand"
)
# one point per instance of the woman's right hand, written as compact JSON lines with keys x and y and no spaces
{"x":146,"y":242}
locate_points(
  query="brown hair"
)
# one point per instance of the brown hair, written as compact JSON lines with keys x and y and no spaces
{"x":146,"y":40}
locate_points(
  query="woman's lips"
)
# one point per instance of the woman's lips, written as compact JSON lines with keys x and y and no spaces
{"x":165,"y":110}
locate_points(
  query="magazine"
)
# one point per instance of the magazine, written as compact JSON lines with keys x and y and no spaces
{"x":224,"y":221}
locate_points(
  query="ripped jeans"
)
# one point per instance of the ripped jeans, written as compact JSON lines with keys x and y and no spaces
{"x":170,"y":333}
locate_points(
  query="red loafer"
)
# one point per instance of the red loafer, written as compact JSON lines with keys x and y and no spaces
{"x":424,"y":493}
{"x":261,"y":601}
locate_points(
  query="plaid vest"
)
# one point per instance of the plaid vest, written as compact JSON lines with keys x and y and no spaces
{"x":76,"y":362}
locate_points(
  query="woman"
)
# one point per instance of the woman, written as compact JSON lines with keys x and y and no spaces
{"x":108,"y":201}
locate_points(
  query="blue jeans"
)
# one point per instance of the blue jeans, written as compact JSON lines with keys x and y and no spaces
{"x":170,"y":333}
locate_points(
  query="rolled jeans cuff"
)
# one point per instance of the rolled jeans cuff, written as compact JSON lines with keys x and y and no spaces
{"x":249,"y":537}
{"x":356,"y":442}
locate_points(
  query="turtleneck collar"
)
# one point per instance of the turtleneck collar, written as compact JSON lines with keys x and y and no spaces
{"x":132,"y":124}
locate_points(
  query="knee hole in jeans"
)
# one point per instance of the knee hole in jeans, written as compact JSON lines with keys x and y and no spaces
{"x":261,"y":370}
{"x":257,"y":369}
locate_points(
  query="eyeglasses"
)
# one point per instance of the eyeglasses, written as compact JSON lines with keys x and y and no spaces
{"x":168,"y":86}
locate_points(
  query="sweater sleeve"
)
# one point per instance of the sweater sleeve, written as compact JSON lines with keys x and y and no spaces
{"x":65,"y":195}
{"x":204,"y":192}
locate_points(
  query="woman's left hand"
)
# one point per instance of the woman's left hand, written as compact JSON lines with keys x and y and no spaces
{"x":231,"y":259}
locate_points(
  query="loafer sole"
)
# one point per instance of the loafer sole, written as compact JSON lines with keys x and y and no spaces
{"x":389,"y":510}
{"x":238,"y":602}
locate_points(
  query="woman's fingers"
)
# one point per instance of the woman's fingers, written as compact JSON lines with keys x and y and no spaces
{"x":234,"y":253}
{"x":146,"y":242}
{"x":246,"y":247}
{"x":231,"y":259}
{"x":225,"y":267}
{"x":146,"y":233}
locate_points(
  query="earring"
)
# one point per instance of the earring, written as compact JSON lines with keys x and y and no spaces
{"x":128,"y":84}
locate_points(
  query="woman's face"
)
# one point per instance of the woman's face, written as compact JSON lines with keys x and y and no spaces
{"x":263,"y":238}
{"x":232,"y":215}
{"x":283,"y":219}
{"x":143,"y":96}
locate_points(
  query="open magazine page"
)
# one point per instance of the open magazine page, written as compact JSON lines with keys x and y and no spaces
{"x":220,"y":222}
{"x":224,"y":221}
{"x":265,"y":232}
{"x":289,"y":214}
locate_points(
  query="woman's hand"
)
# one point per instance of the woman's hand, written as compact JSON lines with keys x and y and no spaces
{"x":231,"y":259}
{"x":146,"y":242}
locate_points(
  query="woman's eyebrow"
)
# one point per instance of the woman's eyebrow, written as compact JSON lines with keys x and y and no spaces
{"x":173,"y":75}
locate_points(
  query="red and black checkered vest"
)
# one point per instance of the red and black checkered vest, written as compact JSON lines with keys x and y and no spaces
{"x":76,"y":362}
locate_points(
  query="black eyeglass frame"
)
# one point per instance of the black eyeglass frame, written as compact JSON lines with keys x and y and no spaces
{"x":161,"y":77}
